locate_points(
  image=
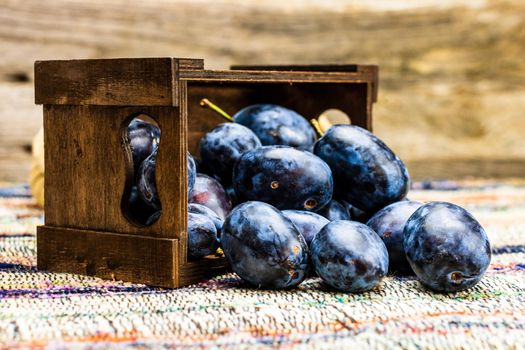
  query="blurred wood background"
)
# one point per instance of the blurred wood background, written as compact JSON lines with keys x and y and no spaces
{"x":452,"y":73}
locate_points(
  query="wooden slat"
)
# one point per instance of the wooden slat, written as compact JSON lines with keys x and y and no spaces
{"x":152,"y":261}
{"x":190,"y":63}
{"x":114,"y":82}
{"x":179,"y":146}
{"x":195,"y":271}
{"x":369,"y":104}
{"x":86,"y":175}
{"x":273,"y":77}
{"x":372,"y":69}
{"x":300,"y":68}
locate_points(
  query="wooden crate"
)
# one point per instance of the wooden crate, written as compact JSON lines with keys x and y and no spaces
{"x":87,"y":107}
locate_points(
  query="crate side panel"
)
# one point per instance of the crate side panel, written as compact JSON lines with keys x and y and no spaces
{"x":117,"y":82}
{"x":308,"y":99}
{"x":152,"y":261}
{"x":85,"y":171}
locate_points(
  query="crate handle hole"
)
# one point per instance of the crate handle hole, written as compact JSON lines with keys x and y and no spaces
{"x":331,"y":117}
{"x":140,"y":138}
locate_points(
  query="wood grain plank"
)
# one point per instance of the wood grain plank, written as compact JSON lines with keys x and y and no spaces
{"x":372,"y":69}
{"x":195,"y":271}
{"x":152,"y":261}
{"x":190,"y":63}
{"x":180,"y":211}
{"x":271,"y":77}
{"x":86,"y":169}
{"x":114,"y":82}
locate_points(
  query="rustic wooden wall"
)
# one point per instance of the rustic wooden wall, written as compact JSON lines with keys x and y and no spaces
{"x":452,"y":90}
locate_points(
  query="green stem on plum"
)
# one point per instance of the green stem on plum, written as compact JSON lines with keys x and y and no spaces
{"x":207,"y":103}
{"x":317,"y":126}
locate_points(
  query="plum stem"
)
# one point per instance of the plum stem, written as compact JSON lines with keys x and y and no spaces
{"x":207,"y":103}
{"x":317,"y":126}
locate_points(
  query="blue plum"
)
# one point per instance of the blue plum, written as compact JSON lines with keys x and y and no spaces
{"x":349,"y":256}
{"x":146,"y":184}
{"x":355,"y":213}
{"x":284,"y":177}
{"x":204,"y":210}
{"x":223,"y":146}
{"x":367,"y":174}
{"x":233,"y":196}
{"x":210,"y":193}
{"x":389,"y":223}
{"x":139,"y":210}
{"x":143,"y":139}
{"x":202,"y":236}
{"x":153,"y":218}
{"x":446,"y":247}
{"x":308,"y":223}
{"x":192,"y":173}
{"x":277,"y":125}
{"x":264,"y":247}
{"x":334,"y":211}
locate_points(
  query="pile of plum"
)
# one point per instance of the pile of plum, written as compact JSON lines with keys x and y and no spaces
{"x":283,"y":205}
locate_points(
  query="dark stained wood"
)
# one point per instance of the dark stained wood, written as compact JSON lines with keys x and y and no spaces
{"x":300,"y":68}
{"x":120,"y":82}
{"x":115,"y":256}
{"x":195,"y":271}
{"x":372,"y":69}
{"x":114,"y":82}
{"x":181,"y":216}
{"x":276,"y":77}
{"x":86,"y":175}
{"x":190,"y":63}
{"x":88,"y":105}
{"x":369,"y":101}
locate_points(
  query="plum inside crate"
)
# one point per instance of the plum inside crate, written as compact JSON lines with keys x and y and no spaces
{"x":88,"y":168}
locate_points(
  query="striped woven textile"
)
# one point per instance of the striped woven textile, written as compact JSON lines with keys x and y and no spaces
{"x":50,"y":310}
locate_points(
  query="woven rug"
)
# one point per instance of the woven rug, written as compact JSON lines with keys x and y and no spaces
{"x":47,"y":310}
